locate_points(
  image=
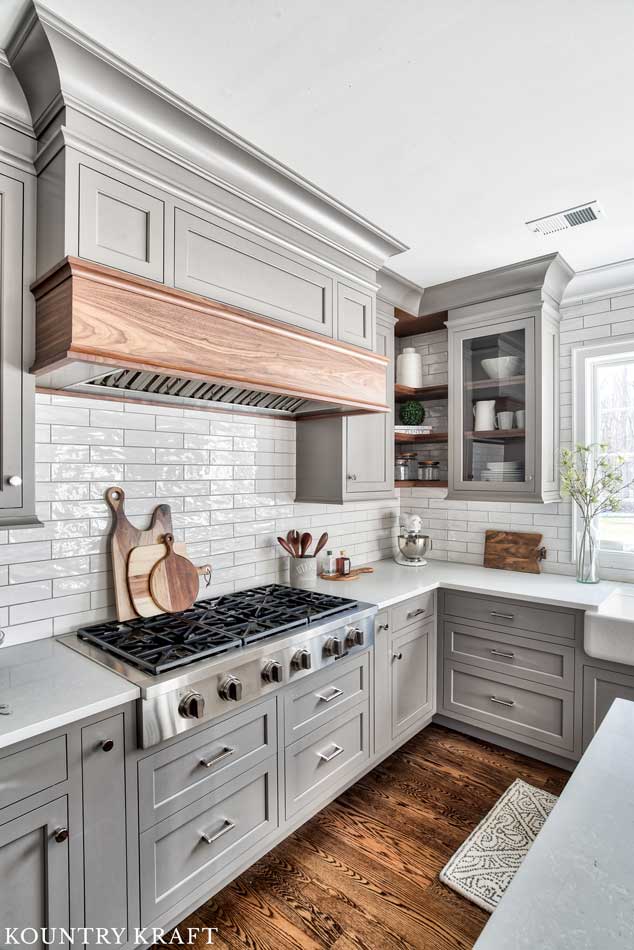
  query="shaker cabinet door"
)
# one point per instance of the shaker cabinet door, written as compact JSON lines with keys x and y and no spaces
{"x":34,"y":891}
{"x":355,"y":316}
{"x":412,"y":686}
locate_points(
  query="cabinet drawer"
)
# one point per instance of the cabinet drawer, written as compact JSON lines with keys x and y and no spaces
{"x":220,"y":263}
{"x":184,"y":772}
{"x":197,"y":844}
{"x":32,"y":770}
{"x":314,"y":764}
{"x":318,"y":699}
{"x":509,"y":653}
{"x":120,"y":225}
{"x":412,"y":611}
{"x":547,"y":621}
{"x":541,"y":715}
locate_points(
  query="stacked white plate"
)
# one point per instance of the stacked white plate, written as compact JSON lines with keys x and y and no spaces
{"x":503,"y":472}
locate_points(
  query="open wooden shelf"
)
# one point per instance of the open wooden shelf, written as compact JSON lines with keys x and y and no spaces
{"x":480,"y":384}
{"x":432,"y":437}
{"x":403,"y":393}
{"x":496,"y":435}
{"x":416,"y":483}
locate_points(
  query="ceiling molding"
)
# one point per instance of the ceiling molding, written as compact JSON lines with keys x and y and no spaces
{"x":95,"y":79}
{"x":398,"y":291}
{"x":609,"y":280}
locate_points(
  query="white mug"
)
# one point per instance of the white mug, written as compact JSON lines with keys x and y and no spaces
{"x":520,"y":418}
{"x":505,"y":420}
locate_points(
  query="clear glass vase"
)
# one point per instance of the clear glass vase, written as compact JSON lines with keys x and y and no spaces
{"x":588,"y":552}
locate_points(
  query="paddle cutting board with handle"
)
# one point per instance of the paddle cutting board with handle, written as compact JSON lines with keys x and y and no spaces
{"x":352,"y":576}
{"x":141,"y":562}
{"x":514,"y":551}
{"x":173,"y":580}
{"x":123,"y":537}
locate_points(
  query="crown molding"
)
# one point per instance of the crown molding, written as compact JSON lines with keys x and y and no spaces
{"x":51,"y":57}
{"x":608,"y":280}
{"x":399,"y":291}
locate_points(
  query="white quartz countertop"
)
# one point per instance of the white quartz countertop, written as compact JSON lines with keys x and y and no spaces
{"x":575,"y":889}
{"x":47,"y":685}
{"x":391,"y":582}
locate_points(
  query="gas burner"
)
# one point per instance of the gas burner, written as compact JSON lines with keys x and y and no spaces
{"x":212,"y":627}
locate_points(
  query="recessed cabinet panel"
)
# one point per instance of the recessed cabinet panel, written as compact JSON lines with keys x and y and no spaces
{"x":218,"y":263}
{"x":120,"y":225}
{"x":600,"y":689}
{"x":34,"y":874}
{"x":412,"y":697}
{"x":355,"y":316}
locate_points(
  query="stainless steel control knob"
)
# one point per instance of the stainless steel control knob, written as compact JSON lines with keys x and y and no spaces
{"x":302,"y":660}
{"x":334,"y":647}
{"x":273,"y":672}
{"x":355,"y":637}
{"x":192,"y":706}
{"x":231,"y":689}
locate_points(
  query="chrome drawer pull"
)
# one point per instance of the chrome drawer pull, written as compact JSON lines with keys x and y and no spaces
{"x":494,"y":613}
{"x":226,"y":826}
{"x":502,"y":702}
{"x":415,"y":613}
{"x":329,"y":698}
{"x":332,"y":755}
{"x":218,"y":757}
{"x":507,"y":656}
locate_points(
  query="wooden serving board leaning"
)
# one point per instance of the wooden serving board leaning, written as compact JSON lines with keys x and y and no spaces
{"x":140,"y":565}
{"x":514,"y":551}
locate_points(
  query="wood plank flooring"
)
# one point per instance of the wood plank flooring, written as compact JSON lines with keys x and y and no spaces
{"x":364,"y":872}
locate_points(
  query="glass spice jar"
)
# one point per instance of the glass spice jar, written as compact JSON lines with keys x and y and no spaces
{"x":428,"y":471}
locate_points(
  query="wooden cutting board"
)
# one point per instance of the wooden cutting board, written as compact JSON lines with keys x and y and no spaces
{"x":140,"y":565}
{"x":352,"y":576}
{"x":123,"y":537}
{"x":514,"y":551}
{"x":173,"y":580}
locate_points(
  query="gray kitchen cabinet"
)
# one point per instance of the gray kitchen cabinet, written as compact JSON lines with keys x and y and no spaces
{"x":349,"y":458}
{"x":412,"y":677}
{"x":217,"y":261}
{"x":600,"y":688}
{"x":17,"y":394}
{"x":120,"y":225}
{"x":34,"y":871}
{"x":355,"y":316}
{"x":504,"y":359}
{"x":104,"y":825}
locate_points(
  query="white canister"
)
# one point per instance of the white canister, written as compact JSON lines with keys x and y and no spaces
{"x":409,"y":368}
{"x":303,"y":572}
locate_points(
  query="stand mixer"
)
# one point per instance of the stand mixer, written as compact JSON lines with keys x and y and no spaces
{"x":412,"y":543}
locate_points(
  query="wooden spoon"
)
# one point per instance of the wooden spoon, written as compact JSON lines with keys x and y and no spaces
{"x":293,"y":539}
{"x":321,"y":543}
{"x":304,"y":543}
{"x":286,"y":546}
{"x":173,"y":580}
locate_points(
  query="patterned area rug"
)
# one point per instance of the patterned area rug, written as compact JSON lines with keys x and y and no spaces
{"x":484,"y":865}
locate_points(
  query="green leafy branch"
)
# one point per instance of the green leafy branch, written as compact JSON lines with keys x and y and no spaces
{"x":592,"y":480}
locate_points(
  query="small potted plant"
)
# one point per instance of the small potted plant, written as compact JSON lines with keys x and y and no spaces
{"x":594,"y":483}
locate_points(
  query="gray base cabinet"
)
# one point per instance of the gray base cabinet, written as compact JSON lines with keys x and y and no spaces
{"x":34,"y":871}
{"x":600,"y":688}
{"x":412,"y":662}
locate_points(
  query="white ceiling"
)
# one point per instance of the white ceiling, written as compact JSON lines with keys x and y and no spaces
{"x":447,"y":122}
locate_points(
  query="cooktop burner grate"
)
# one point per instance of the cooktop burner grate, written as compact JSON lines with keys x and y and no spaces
{"x":213,"y":626}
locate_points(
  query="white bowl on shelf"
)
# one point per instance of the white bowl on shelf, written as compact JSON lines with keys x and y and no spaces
{"x":501,"y":367}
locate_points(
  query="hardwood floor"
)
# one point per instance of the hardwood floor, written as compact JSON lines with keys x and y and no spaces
{"x":364,"y":872}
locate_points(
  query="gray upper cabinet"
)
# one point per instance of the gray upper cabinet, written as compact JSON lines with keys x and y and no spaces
{"x":17,"y":399}
{"x":503,"y":399}
{"x":34,"y":866}
{"x":355,"y":316}
{"x":228,"y":266}
{"x":120,"y":225}
{"x":349,"y":458}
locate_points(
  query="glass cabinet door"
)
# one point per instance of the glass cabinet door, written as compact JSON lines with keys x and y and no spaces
{"x":497,"y":407}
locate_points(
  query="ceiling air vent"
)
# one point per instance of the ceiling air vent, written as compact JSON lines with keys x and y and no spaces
{"x":570,"y":218}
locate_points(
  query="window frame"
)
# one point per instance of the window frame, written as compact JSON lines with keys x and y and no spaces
{"x":585,"y":360}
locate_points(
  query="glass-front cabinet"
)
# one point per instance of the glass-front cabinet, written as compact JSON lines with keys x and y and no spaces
{"x":503,"y":440}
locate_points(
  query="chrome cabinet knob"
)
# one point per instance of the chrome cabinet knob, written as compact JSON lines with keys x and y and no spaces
{"x":231,"y":689}
{"x":334,"y":647}
{"x":107,"y":745}
{"x":352,"y":477}
{"x":192,"y":706}
{"x":60,"y":835}
{"x":302,"y":660}
{"x":15,"y":481}
{"x":397,"y":656}
{"x":273,"y":672}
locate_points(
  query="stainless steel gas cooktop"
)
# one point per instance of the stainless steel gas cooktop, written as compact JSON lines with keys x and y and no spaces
{"x":194,"y":666}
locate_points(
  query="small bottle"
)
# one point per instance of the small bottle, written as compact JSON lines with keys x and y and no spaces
{"x":343,"y":564}
{"x":330,"y":568}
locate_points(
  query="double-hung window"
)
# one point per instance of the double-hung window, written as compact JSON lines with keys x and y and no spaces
{"x":604,"y":413}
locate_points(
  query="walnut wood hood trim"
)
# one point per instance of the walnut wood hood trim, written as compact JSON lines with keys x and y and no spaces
{"x":92,"y":314}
